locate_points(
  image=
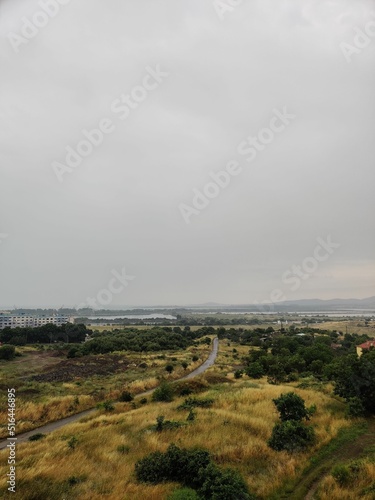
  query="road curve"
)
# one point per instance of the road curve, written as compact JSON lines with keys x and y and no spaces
{"x":53,"y":426}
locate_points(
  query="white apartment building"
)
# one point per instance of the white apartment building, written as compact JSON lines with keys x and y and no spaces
{"x":23,"y":320}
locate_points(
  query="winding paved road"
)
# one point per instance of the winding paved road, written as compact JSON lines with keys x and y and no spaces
{"x":46,"y":429}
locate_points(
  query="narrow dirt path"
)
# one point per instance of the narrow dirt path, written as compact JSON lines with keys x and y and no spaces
{"x":348,"y":451}
{"x":52,"y":426}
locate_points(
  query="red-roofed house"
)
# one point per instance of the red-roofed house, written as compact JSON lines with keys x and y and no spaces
{"x":365,"y":346}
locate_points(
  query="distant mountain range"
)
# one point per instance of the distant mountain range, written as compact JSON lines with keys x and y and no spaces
{"x":298,"y":305}
{"x":366,"y":305}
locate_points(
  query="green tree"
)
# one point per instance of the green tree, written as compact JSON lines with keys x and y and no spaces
{"x":255,"y":370}
{"x":291,"y":435}
{"x":291,"y":407}
{"x":355,"y":378}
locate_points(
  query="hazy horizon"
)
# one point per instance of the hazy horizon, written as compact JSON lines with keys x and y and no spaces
{"x":187,"y":305}
{"x":161,"y":152}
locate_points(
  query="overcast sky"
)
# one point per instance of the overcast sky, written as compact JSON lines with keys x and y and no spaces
{"x":218,"y":74}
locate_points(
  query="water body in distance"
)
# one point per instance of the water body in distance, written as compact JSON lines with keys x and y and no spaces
{"x":135,"y":316}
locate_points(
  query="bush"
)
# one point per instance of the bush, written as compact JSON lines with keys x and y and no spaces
{"x":224,"y":484}
{"x":341,"y":474}
{"x":191,"y":416}
{"x":184,"y":494}
{"x":163,"y":393}
{"x":106,"y":405}
{"x":194,"y":469}
{"x":291,"y":407}
{"x":291,"y":436}
{"x":190,"y":403}
{"x":126,"y":397}
{"x":37,"y":437}
{"x":162,"y":424}
{"x":7,"y":352}
{"x":143,"y":401}
{"x":238,"y":374}
{"x":185,"y":391}
{"x":72,"y":443}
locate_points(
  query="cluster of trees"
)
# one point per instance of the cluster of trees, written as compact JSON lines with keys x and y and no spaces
{"x":354,"y":379}
{"x":68,"y":333}
{"x":291,"y":434}
{"x":290,"y":356}
{"x":132,"y":339}
{"x":194,"y":469}
{"x":287,"y":357}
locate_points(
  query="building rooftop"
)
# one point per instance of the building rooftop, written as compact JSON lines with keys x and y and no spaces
{"x":368,"y":344}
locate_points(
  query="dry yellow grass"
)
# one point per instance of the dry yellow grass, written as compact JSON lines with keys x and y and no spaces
{"x":30,"y":415}
{"x":58,"y":400}
{"x":234,"y":430}
{"x":330,"y":489}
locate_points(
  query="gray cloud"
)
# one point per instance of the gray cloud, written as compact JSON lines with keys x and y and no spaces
{"x":120,"y":206}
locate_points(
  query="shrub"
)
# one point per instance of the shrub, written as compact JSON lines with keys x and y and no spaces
{"x":194,"y":469}
{"x":37,"y":437}
{"x":179,"y":464}
{"x":190,"y":403}
{"x":162,"y":424}
{"x":72,"y":353}
{"x":126,"y":397}
{"x":238,"y":374}
{"x":72,"y":443}
{"x":291,"y":436}
{"x":341,"y":474}
{"x":183,"y":494}
{"x":195,"y":358}
{"x":224,"y":484}
{"x":143,"y":401}
{"x":169,"y":368}
{"x":7,"y":352}
{"x":185,"y":391}
{"x":191,"y":416}
{"x":163,"y":393}
{"x":106,"y":405}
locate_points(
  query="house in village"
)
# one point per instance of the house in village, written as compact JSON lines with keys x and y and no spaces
{"x":365,"y":346}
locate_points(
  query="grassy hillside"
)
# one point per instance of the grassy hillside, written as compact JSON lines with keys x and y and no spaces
{"x":95,"y":459}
